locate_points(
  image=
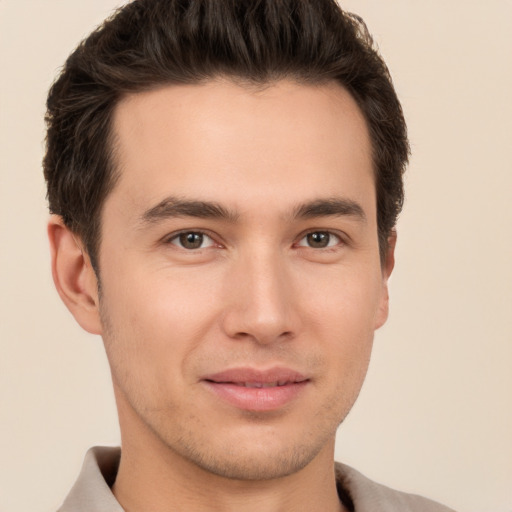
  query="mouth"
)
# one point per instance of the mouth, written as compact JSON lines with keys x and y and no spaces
{"x":258,"y":384}
{"x":256,"y":390}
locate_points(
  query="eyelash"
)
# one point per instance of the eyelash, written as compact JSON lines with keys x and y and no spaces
{"x":327,"y":232}
{"x":176,"y":237}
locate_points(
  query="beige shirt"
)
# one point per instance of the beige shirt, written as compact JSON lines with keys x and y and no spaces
{"x":91,"y":492}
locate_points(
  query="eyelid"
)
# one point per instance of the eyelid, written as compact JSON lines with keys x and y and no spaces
{"x":170,"y":238}
{"x":342,"y":238}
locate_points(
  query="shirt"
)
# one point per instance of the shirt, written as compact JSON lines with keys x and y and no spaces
{"x":91,"y":492}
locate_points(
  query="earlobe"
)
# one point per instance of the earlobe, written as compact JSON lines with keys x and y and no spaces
{"x":74,"y":276}
{"x":387,"y":267}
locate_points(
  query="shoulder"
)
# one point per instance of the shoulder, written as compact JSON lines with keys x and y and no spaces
{"x":369,"y":496}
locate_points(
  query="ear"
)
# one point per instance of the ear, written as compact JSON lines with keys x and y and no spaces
{"x":74,"y":276}
{"x":387,"y":267}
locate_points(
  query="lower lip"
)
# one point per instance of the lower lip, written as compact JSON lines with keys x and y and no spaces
{"x":257,"y":399}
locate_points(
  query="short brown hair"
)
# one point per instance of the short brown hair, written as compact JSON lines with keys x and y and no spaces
{"x":154,"y":42}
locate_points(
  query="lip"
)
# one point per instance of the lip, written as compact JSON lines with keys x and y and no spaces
{"x":257,"y":390}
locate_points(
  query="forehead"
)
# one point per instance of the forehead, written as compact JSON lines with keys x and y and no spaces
{"x":285,"y":141}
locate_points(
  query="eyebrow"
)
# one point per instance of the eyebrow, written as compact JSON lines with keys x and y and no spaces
{"x":336,"y":207}
{"x":172,"y":207}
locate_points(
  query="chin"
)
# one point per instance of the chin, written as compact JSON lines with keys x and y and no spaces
{"x":254,"y":464}
{"x":254,"y":455}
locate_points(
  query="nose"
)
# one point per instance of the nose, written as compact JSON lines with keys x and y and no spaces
{"x":261,"y":303}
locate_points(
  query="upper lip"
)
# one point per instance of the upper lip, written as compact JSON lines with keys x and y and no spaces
{"x":247,"y":375}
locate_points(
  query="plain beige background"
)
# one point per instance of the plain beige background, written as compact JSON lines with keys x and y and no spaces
{"x":435,"y":414}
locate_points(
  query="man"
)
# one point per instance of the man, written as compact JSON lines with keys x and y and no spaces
{"x":224,"y":178}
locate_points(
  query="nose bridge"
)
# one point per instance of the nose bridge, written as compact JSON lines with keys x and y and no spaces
{"x":261,"y":297}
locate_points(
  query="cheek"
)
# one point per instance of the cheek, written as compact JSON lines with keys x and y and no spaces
{"x":157,"y":318}
{"x":342,"y":317}
{"x":348,"y":300}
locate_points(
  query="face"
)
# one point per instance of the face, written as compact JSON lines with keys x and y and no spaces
{"x":240,"y":275}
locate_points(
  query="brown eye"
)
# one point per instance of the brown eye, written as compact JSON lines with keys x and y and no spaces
{"x":319,"y":240}
{"x":191,"y":240}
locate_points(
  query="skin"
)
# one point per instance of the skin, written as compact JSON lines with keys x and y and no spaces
{"x":258,"y":291}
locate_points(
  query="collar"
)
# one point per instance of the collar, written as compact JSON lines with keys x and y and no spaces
{"x":91,"y":492}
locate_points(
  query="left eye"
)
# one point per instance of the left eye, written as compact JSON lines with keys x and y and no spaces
{"x":319,"y":240}
{"x":191,"y":240}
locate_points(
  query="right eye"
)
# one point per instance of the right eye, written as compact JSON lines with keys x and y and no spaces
{"x":320,"y":240}
{"x":192,"y":240}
